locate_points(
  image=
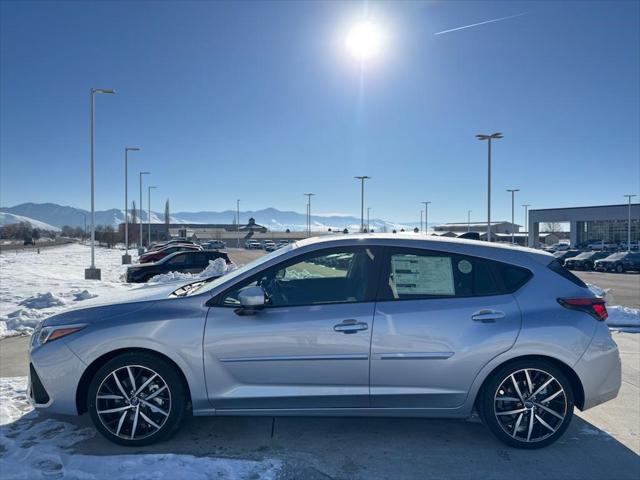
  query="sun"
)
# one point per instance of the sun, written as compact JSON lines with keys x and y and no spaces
{"x":364,"y":41}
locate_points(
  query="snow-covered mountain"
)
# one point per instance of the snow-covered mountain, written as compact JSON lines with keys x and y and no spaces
{"x":10,"y":218}
{"x":273,"y":219}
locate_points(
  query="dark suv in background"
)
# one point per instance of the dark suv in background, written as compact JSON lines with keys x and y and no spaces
{"x":619,"y":262}
{"x":193,"y":261}
{"x":584,"y":260}
{"x":563,"y":255}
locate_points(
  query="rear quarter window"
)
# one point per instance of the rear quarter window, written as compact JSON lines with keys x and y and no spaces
{"x":563,"y":272}
{"x":513,"y":278}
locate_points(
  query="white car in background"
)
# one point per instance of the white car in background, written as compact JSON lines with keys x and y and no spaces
{"x":269,"y":245}
{"x":253,"y":245}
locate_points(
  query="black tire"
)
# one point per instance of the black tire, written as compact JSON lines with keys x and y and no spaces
{"x":620,"y":268}
{"x":143,"y":366}
{"x":491,"y":408}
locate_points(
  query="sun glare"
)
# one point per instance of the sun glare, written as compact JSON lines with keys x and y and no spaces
{"x":364,"y":41}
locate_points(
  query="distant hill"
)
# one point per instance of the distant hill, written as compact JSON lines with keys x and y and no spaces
{"x":271,"y":218}
{"x":10,"y":218}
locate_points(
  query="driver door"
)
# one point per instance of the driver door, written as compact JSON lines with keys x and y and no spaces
{"x":308,"y":347}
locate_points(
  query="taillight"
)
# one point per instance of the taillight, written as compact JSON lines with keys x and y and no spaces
{"x":593,"y":306}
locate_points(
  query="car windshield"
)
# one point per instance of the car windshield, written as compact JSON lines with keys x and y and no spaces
{"x":584,"y":255}
{"x":616,"y":256}
{"x":206,"y":287}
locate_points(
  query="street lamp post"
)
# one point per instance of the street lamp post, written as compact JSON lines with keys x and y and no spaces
{"x":426,"y":217}
{"x":93,"y":273}
{"x":126,"y":258}
{"x":238,"y":221}
{"x":629,"y":197}
{"x":140,"y":242}
{"x":493,"y":136}
{"x":149,"y":214}
{"x":526,"y":217}
{"x":468,"y":220}
{"x":309,"y":195}
{"x":513,"y":194}
{"x":362,"y":178}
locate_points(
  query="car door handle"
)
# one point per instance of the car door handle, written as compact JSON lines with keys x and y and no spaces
{"x":487,"y":316}
{"x":350,"y":326}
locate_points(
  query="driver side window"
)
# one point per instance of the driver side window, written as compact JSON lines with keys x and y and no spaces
{"x":332,"y":276}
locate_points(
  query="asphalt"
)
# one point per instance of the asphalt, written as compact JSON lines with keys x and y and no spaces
{"x":625,"y":287}
{"x":603,"y":442}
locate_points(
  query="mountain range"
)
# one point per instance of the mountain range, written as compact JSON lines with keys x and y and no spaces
{"x":58,"y":216}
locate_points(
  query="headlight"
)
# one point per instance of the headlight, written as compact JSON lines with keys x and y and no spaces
{"x":49,"y":334}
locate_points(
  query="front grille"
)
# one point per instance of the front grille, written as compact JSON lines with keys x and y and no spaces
{"x":38,"y":392}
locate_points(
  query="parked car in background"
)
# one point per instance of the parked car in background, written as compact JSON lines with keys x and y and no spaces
{"x":584,"y":260}
{"x":619,"y":262}
{"x":401,"y":327}
{"x":214,"y":245}
{"x":282,"y":243}
{"x":253,"y":245}
{"x":155,"y":255}
{"x":269,"y":245}
{"x":175,"y":241}
{"x":605,"y":246}
{"x":565,"y":255}
{"x":190,"y":261}
{"x":634,"y":245}
{"x":558,"y":247}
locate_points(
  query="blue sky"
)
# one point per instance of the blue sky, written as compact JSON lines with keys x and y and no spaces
{"x":260,"y":101}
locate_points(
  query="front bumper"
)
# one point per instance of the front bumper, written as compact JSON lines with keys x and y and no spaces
{"x":55,"y":373}
{"x":600,"y":369}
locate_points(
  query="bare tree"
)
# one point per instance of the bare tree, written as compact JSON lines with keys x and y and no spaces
{"x":551,"y":227}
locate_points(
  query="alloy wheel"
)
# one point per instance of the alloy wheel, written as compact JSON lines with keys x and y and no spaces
{"x":133,"y":402}
{"x":530,"y":405}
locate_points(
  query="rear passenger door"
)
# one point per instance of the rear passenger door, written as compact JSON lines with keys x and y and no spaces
{"x":440,"y":317}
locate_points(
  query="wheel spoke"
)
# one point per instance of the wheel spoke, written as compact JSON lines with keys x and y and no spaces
{"x":544,"y":423}
{"x":515,"y":384}
{"x":110,"y":397}
{"x":113,"y":410}
{"x":149,"y":421}
{"x":145,"y":384}
{"x":154,"y":408}
{"x":135,"y":422}
{"x":512,"y":412}
{"x":119,"y":385}
{"x":551,"y":397}
{"x":156,"y":393}
{"x":131,"y":379}
{"x":543,"y":386}
{"x":548,"y":410}
{"x":517,"y":425}
{"x":530,"y":426}
{"x":121,"y":421}
{"x":529,"y":384}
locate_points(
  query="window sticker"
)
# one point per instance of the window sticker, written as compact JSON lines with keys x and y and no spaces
{"x":465,"y":266}
{"x":417,"y":275}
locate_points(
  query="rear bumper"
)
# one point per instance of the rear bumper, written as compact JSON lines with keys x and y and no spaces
{"x":600,"y":369}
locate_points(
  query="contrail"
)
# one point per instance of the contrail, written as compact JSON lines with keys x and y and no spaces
{"x":480,"y":23}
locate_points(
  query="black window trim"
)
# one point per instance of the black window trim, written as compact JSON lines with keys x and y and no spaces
{"x":373,"y":287}
{"x":384,"y":272}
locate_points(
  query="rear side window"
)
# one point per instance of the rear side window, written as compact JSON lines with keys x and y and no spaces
{"x":560,"y":270}
{"x":513,"y":277}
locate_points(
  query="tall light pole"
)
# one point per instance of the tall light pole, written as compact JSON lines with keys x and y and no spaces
{"x":140,"y":247}
{"x":513,"y":195}
{"x":309,"y":195}
{"x":93,"y":273}
{"x":126,"y":258}
{"x":362,"y":178}
{"x":426,"y":217}
{"x":238,"y":222}
{"x":151,"y":187}
{"x":493,"y":136}
{"x":629,"y":196}
{"x":469,"y":220}
{"x":368,"y":226}
{"x":526,"y":216}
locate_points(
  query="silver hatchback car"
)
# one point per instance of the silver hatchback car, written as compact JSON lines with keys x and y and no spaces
{"x":384,"y":325}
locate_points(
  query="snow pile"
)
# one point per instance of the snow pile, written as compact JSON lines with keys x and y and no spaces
{"x":34,"y":286}
{"x":42,"y":300}
{"x":37,"y":448}
{"x":605,"y":293}
{"x":216,"y":268}
{"x":620,"y":318}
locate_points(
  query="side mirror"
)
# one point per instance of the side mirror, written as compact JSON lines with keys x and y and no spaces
{"x":251,"y":299}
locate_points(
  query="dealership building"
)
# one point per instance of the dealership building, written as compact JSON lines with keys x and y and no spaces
{"x":608,"y":223}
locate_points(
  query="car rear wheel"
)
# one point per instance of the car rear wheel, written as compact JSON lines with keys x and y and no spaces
{"x":619,"y":268}
{"x":527,"y":404}
{"x":136,"y":399}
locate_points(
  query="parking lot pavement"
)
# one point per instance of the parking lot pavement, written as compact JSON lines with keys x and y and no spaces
{"x":241,"y":256}
{"x":603,"y":442}
{"x":625,"y":287}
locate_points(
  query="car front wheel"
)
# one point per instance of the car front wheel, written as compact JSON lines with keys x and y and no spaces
{"x":619,"y":268}
{"x":136,"y":399}
{"x":527,"y":404}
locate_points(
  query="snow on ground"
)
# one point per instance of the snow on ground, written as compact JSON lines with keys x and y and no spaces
{"x":216,"y":268}
{"x":35,"y":448}
{"x":623,"y":319}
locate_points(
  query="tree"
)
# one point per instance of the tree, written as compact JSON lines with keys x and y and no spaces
{"x":551,"y":227}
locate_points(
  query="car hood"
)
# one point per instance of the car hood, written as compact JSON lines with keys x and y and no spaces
{"x":110,"y":306}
